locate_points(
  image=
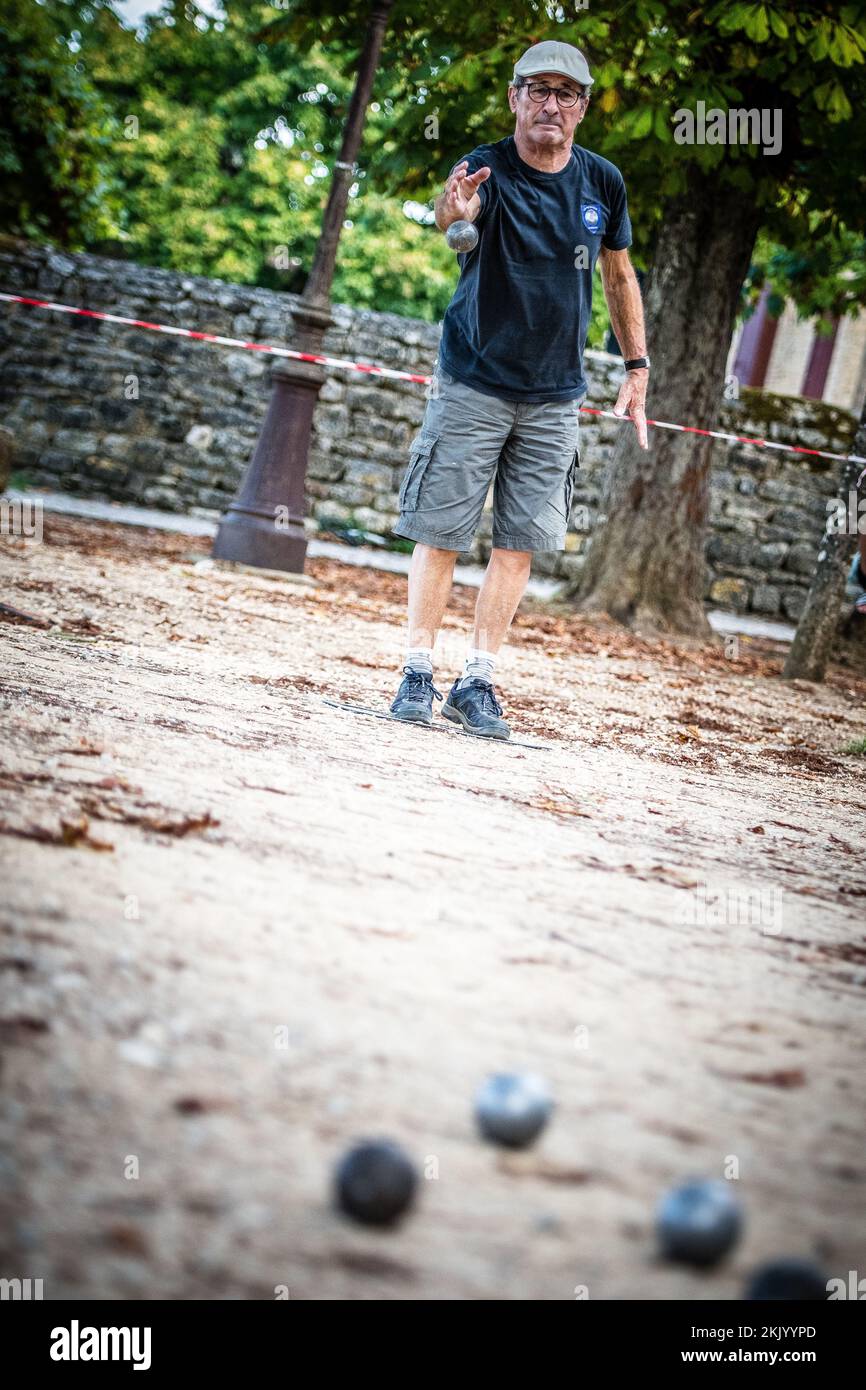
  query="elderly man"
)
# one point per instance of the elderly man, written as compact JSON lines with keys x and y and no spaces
{"x":508,"y":382}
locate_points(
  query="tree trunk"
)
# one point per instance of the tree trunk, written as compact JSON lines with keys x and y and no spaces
{"x":819,"y":622}
{"x":645,"y":565}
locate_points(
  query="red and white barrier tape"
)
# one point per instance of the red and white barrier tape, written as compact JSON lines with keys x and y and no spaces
{"x":392,"y":374}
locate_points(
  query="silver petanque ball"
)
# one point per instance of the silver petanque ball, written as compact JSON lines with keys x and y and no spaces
{"x":461,"y":236}
{"x":698,"y":1221}
{"x":513,"y":1109}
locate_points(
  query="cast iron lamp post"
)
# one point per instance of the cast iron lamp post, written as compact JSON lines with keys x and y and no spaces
{"x":264,"y":525}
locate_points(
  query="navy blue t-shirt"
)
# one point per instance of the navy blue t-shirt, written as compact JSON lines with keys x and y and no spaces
{"x":517,"y":324}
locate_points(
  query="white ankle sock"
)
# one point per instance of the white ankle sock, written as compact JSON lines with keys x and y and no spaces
{"x":420,"y":659}
{"x":478,"y":664}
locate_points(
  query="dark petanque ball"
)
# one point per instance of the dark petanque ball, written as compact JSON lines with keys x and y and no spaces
{"x":798,"y":1280}
{"x":698,"y":1222}
{"x":375,"y":1182}
{"x":462,"y":236}
{"x":512,"y":1109}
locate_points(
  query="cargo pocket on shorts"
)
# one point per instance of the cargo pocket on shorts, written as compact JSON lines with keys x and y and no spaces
{"x":419,"y":457}
{"x":570,"y":479}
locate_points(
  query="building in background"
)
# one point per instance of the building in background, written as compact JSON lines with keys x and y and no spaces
{"x":786,"y":354}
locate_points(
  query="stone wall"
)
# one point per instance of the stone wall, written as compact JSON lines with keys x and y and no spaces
{"x":131,"y":415}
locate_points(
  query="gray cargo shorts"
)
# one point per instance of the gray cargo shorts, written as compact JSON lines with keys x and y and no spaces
{"x":467,"y":440}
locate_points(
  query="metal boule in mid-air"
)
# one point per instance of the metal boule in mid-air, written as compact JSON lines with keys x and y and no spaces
{"x":461,"y":236}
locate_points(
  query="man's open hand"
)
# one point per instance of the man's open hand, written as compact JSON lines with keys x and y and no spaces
{"x":460,"y":200}
{"x":632,"y":401}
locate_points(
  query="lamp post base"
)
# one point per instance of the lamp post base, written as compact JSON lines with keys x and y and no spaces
{"x":264,"y":524}
{"x":251,"y":537}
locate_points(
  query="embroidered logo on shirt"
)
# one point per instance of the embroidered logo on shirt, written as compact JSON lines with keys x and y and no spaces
{"x":591,"y":214}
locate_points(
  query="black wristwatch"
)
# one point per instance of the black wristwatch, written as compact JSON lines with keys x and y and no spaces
{"x":634,"y":362}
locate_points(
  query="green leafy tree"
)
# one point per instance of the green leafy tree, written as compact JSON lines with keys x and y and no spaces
{"x":56,"y":133}
{"x":194,"y":144}
{"x":223,"y":148}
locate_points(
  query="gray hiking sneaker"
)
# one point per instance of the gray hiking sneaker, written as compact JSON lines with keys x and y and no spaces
{"x":476,"y":707}
{"x":414,"y":700}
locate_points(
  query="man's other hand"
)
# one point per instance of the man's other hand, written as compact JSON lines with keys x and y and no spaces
{"x":632,"y":401}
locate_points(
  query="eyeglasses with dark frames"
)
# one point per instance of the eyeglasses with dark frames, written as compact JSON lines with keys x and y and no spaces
{"x":539,"y":91}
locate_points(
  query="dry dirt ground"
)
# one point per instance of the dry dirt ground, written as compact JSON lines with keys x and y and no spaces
{"x":241,"y":929}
